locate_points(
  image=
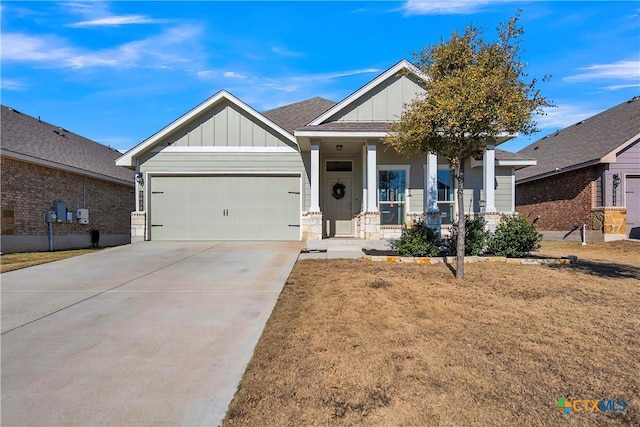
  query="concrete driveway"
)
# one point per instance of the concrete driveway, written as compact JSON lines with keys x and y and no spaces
{"x":156,"y":333}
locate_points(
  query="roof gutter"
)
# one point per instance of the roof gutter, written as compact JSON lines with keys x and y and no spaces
{"x":558,"y":171}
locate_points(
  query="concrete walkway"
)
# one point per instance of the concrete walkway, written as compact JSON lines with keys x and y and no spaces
{"x":157,"y":333}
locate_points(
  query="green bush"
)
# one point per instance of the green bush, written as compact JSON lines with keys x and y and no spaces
{"x":419,"y":240}
{"x":514,"y":237}
{"x":475,"y":236}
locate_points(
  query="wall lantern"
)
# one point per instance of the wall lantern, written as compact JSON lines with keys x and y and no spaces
{"x":616,"y":183}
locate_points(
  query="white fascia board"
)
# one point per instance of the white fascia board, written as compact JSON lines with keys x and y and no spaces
{"x":339,"y":134}
{"x":66,"y":168}
{"x":128,"y":158}
{"x":528,"y":162}
{"x":402,"y":65}
{"x":199,"y":149}
{"x":612,"y":156}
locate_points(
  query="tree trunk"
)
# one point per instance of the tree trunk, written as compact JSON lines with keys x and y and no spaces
{"x":459,"y":172}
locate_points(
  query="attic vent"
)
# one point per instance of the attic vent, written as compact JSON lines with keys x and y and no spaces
{"x":535,"y":148}
{"x":580,"y":122}
{"x":635,"y":98}
{"x":14,"y":110}
{"x":57,"y":132}
{"x":63,"y":129}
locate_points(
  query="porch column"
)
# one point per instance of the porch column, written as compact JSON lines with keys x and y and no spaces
{"x":315,"y":179}
{"x":364,"y":178}
{"x":430,"y":200}
{"x":372,"y":179}
{"x":489,"y":178}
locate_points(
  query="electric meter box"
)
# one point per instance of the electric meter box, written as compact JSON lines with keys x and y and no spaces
{"x":60,"y":208}
{"x":83,"y":216}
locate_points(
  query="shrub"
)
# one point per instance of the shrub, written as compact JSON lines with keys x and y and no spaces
{"x":419,"y":240}
{"x":514,"y":237}
{"x":475,"y":236}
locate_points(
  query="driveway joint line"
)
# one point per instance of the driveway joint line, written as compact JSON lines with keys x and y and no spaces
{"x":105,"y":291}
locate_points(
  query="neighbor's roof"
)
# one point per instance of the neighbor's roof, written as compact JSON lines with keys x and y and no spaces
{"x":591,"y":141}
{"x":30,"y":139}
{"x":296,"y":115}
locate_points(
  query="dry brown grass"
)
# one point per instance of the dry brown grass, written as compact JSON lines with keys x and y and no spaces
{"x":354,"y":342}
{"x":10,"y":262}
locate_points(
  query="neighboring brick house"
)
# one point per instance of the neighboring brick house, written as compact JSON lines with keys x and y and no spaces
{"x":42,"y":163}
{"x":587,"y":173}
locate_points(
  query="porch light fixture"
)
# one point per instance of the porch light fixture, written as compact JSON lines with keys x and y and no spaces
{"x":339,"y":147}
{"x":616,"y":183}
{"x":139,"y":179}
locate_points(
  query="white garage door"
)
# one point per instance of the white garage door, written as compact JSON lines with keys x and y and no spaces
{"x":225,"y":207}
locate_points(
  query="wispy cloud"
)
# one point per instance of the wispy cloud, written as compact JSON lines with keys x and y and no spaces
{"x":160,"y":51}
{"x":282,"y":51}
{"x":11,"y":84}
{"x":111,"y":21}
{"x":618,"y":87}
{"x":233,"y":75}
{"x":564,"y":115}
{"x":621,"y":70}
{"x":440,"y":7}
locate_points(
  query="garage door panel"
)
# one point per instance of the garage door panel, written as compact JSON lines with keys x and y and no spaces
{"x":225,"y":208}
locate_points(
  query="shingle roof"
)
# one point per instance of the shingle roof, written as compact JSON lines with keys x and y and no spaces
{"x":508,"y":155}
{"x":350,"y":127}
{"x":294,"y":116}
{"x":585,"y":142}
{"x":26,"y":135}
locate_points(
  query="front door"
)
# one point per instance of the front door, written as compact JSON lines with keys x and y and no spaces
{"x":339,"y":198}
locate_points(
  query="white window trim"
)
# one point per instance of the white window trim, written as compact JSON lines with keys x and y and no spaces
{"x":407,"y":184}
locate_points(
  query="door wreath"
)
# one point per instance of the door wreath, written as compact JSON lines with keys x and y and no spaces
{"x":338,"y":191}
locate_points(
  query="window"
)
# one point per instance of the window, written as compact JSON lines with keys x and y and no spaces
{"x":392,"y":185}
{"x":339,"y":166}
{"x":445,"y":195}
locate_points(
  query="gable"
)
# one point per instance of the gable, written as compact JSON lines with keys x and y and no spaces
{"x":383,"y":103}
{"x":224,"y":125}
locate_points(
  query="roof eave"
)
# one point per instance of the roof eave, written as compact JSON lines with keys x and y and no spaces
{"x":558,"y":171}
{"x":611,"y":156}
{"x":339,"y":134}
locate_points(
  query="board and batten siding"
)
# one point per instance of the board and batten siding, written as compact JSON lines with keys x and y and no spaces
{"x":207,"y":163}
{"x":225,"y":126}
{"x":627,"y":163}
{"x":384,"y":103}
{"x":474,"y":191}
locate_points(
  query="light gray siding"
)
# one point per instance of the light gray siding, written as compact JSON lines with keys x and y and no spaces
{"x":474,"y":191}
{"x":384,"y":103}
{"x":225,"y":126}
{"x":229,"y":163}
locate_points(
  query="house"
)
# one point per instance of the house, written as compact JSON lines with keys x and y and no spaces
{"x":310,"y":170}
{"x":587,"y":174}
{"x":45,"y":168}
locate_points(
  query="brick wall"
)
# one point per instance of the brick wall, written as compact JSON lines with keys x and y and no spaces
{"x":27,"y":190}
{"x":560,"y":200}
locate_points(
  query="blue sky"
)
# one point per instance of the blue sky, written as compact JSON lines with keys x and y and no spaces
{"x":117,"y":72}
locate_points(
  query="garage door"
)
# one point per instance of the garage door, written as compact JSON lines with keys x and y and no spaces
{"x":225,"y":208}
{"x":632,"y":199}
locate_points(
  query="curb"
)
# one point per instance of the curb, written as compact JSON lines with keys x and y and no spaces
{"x":571,"y":259}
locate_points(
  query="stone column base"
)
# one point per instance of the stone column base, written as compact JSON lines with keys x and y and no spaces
{"x":368,"y":226}
{"x":492,"y":218}
{"x":612,"y":221}
{"x":138,"y":226}
{"x":311,"y":226}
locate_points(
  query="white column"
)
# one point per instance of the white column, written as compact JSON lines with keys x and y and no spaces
{"x":430,"y":199}
{"x":315,"y":179}
{"x":489,"y":178}
{"x":364,"y":178}
{"x":372,"y":179}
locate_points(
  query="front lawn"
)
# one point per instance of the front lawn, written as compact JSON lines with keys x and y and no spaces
{"x":10,"y":262}
{"x":354,"y":342}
